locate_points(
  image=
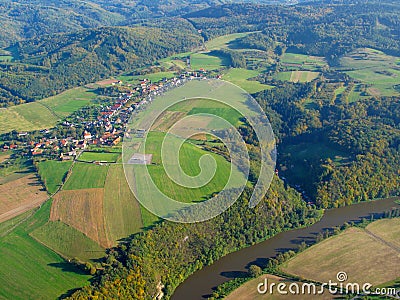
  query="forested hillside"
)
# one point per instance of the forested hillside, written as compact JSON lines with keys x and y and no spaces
{"x":320,"y":29}
{"x":52,"y":64}
{"x":33,"y":18}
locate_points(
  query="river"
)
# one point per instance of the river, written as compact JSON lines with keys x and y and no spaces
{"x":200,"y":285}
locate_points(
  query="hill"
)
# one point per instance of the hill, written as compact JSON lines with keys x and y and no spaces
{"x":48,"y":65}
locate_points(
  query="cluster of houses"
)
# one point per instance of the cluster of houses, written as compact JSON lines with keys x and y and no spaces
{"x":111,"y":120}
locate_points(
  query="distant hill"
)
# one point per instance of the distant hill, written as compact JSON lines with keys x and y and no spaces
{"x":48,"y":65}
{"x":25,"y":19}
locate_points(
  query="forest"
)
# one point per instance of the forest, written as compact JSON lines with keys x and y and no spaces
{"x":52,"y":64}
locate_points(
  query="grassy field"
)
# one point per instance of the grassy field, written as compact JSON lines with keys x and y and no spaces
{"x":355,"y":251}
{"x":207,"y":61}
{"x":306,"y":61}
{"x":224,"y":41}
{"x":205,"y":106}
{"x":297,"y":76}
{"x":53,"y":173}
{"x":86,"y":176}
{"x":99,"y":156}
{"x":68,"y":241}
{"x":6,"y":58}
{"x":27,"y":263}
{"x":153,"y":77}
{"x":248,"y":291}
{"x":373,"y":67}
{"x":189,"y":157}
{"x":389,"y":230}
{"x":240,"y":77}
{"x":20,"y":195}
{"x":122,"y":211}
{"x":69,"y":101}
{"x":44,"y":113}
{"x":83,"y":210}
{"x":177,"y":60}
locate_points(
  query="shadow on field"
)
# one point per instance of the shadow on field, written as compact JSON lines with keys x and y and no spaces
{"x":68,"y":294}
{"x":67,"y":267}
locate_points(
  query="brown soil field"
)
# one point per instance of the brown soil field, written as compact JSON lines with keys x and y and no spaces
{"x":364,"y":257}
{"x":83,"y":210}
{"x":20,"y":195}
{"x":107,"y":82}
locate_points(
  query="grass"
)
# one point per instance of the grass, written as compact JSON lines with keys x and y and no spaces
{"x":6,"y":58}
{"x":99,"y":156}
{"x":53,"y":173}
{"x":69,"y":101}
{"x":26,"y":263}
{"x":189,"y":157}
{"x":86,"y":176}
{"x":387,"y":229}
{"x":153,"y":77}
{"x":68,"y":241}
{"x":297,"y":76}
{"x":208,"y":61}
{"x":311,"y":62}
{"x":205,"y":106}
{"x":374,"y":68}
{"x":224,"y":41}
{"x":354,"y":251}
{"x":122,"y":211}
{"x":44,"y":113}
{"x":241,"y":78}
{"x":283,"y":76}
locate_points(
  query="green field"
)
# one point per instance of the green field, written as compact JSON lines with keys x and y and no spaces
{"x":122,"y":211}
{"x":189,"y":159}
{"x":205,"y":106}
{"x":99,"y":156}
{"x":53,"y":173}
{"x":305,"y":61}
{"x":297,"y":76}
{"x":177,"y":60}
{"x":29,"y":270}
{"x":355,"y":251}
{"x":69,"y":101}
{"x":207,"y":61}
{"x":153,"y":77}
{"x":240,"y":77}
{"x":373,"y":67}
{"x":86,"y":176}
{"x":224,"y":41}
{"x":68,"y":241}
{"x":44,"y":113}
{"x":6,"y":58}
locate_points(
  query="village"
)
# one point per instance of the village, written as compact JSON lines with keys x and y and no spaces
{"x":98,"y":126}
